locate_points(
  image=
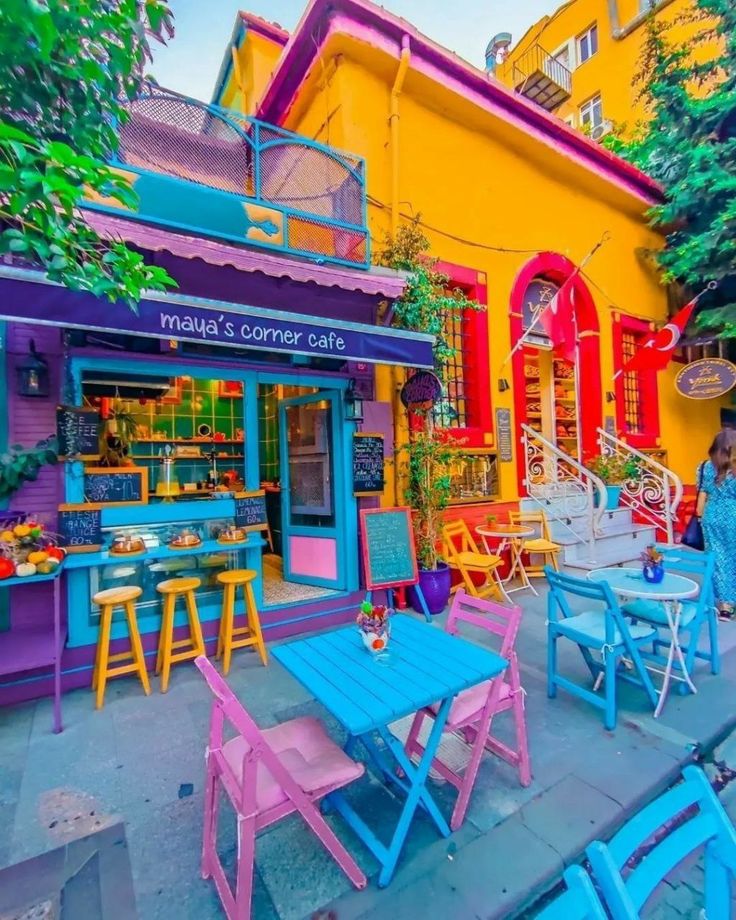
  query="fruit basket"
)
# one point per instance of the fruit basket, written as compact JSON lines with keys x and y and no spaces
{"x":28,"y":548}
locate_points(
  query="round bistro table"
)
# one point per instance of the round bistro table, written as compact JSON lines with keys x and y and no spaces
{"x":629,"y":582}
{"x":510,"y":537}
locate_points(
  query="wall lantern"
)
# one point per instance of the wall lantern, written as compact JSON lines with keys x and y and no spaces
{"x":353,"y":404}
{"x":33,"y":374}
{"x":503,"y":385}
{"x":610,"y":396}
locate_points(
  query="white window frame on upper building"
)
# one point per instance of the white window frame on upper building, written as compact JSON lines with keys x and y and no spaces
{"x":587,"y":35}
{"x":589,"y":106}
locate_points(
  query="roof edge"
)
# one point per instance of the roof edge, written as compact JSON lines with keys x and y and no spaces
{"x":272,"y":30}
{"x":364,"y":19}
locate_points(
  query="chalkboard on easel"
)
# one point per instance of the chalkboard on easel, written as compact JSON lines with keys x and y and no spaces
{"x":78,"y":432}
{"x":388,"y":548}
{"x":250,"y":510}
{"x":368,"y":474}
{"x":80,"y":527}
{"x":127,"y":485}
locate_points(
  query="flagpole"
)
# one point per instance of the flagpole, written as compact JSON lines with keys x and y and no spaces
{"x":606,"y":236}
{"x":710,"y":286}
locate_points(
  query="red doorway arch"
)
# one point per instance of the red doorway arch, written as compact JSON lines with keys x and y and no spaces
{"x":559,"y":269}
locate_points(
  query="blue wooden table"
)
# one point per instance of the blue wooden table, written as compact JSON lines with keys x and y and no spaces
{"x":423,"y":665}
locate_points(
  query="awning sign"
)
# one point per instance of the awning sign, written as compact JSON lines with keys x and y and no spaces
{"x":707,"y":378}
{"x":192,"y":319}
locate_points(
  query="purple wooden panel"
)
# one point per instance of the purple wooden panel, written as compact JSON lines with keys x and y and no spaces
{"x":378,"y":418}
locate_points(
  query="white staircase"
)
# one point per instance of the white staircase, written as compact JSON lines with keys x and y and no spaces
{"x":575,"y":502}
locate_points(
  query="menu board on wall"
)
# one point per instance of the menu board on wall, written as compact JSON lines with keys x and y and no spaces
{"x":78,"y":432}
{"x":368,"y":474}
{"x":388,"y":548}
{"x":503,"y":435}
{"x":80,"y":527}
{"x":127,"y":485}
{"x":250,"y":510}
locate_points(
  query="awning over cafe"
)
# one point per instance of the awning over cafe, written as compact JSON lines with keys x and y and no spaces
{"x":27,"y":296}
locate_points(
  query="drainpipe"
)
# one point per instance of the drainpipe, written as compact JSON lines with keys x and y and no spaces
{"x":392,"y":379}
{"x":394,"y":119}
{"x":619,"y":33}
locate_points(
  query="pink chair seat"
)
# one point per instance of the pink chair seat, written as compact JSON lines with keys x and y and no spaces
{"x":303,"y":746}
{"x":471,"y":702}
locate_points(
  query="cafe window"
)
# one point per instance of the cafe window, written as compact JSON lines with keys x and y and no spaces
{"x":637,"y":398}
{"x":465,"y":410}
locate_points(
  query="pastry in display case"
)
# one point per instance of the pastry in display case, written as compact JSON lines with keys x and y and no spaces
{"x":232,"y":534}
{"x":185,"y":539}
{"x":126,"y":544}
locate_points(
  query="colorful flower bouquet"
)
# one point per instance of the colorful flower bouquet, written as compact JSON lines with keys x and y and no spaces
{"x":374,"y":626}
{"x":652,"y":567}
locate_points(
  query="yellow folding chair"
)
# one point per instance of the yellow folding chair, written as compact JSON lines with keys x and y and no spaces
{"x":538,"y":546}
{"x":462,"y":553}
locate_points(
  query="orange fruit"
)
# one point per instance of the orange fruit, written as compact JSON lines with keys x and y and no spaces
{"x":7,"y":536}
{"x":21,"y":530}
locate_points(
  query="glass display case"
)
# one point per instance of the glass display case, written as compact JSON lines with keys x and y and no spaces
{"x":474,"y":477}
{"x":147,"y":571}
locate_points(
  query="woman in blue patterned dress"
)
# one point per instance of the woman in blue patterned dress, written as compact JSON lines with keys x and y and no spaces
{"x":717,"y":509}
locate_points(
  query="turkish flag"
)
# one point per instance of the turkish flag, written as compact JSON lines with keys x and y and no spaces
{"x":558,"y":320}
{"x":655,"y":354}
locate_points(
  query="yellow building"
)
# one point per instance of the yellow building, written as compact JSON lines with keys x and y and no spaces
{"x":581,"y":61}
{"x":513,"y":201}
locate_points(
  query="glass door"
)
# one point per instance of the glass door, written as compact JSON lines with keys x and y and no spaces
{"x":312,"y":491}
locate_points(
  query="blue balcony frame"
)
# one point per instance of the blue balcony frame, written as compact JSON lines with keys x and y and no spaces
{"x":202,"y":169}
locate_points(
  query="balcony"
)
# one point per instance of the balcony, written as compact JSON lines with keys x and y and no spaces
{"x":211,"y":171}
{"x":539,"y":77}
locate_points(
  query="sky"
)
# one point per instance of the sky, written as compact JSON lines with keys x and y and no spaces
{"x":189,"y":64}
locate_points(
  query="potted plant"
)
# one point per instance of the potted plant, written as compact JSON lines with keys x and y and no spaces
{"x":117,"y":435}
{"x":23,"y":464}
{"x":428,"y":493}
{"x":615,"y":471}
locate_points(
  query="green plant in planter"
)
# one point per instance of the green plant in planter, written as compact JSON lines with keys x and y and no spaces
{"x":615,"y":470}
{"x":428,"y":490}
{"x":117,"y":435}
{"x":23,"y":464}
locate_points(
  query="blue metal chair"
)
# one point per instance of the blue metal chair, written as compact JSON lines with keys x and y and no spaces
{"x":603,"y":628}
{"x":578,"y":902}
{"x":694,"y":614}
{"x":673,"y":826}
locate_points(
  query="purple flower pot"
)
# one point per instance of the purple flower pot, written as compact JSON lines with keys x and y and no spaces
{"x":435,"y":585}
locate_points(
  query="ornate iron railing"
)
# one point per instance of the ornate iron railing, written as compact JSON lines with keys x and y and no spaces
{"x":567,"y":491}
{"x":208,"y":169}
{"x":654,"y":495}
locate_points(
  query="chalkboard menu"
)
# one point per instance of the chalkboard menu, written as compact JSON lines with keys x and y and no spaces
{"x":80,"y":527}
{"x":368,"y":478}
{"x":127,"y":485}
{"x":388,"y":548}
{"x":503,"y":435}
{"x":77,"y":432}
{"x":250,"y":510}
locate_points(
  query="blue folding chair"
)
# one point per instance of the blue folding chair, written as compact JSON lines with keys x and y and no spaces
{"x":695,"y":613}
{"x":701,"y":821}
{"x":579,"y":902}
{"x":603,"y":628}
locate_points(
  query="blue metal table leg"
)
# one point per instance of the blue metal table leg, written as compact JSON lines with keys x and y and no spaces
{"x":425,"y":610}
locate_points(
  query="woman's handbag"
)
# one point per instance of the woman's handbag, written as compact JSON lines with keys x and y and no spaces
{"x":693,"y":536}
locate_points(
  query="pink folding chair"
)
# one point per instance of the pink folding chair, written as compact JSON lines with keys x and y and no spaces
{"x":267,"y":774}
{"x":473,"y":710}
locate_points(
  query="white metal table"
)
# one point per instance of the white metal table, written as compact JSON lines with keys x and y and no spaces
{"x":630,"y":583}
{"x":511,"y":537}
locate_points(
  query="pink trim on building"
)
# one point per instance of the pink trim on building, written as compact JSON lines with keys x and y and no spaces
{"x":373,"y":25}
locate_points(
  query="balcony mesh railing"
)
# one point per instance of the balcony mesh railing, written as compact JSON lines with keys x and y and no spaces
{"x":321,"y":190}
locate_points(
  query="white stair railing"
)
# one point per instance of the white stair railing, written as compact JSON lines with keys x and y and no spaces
{"x":656,"y":494}
{"x":563,"y":487}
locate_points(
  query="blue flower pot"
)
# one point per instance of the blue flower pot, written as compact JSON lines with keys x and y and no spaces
{"x":613,"y":497}
{"x":654,"y":573}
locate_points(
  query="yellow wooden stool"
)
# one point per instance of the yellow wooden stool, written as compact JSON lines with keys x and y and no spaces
{"x":168,"y":650}
{"x":229,"y":633}
{"x":108,"y":600}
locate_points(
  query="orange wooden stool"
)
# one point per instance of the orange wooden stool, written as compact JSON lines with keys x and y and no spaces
{"x":168,"y":650}
{"x":229,"y":633}
{"x":135,"y":663}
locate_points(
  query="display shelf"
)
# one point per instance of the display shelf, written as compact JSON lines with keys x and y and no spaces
{"x":201,"y":457}
{"x":189,"y":440}
{"x":205,"y":548}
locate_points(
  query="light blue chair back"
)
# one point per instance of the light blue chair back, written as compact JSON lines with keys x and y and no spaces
{"x":578,"y":902}
{"x":563,"y":586}
{"x":691,"y":562}
{"x":681,"y":821}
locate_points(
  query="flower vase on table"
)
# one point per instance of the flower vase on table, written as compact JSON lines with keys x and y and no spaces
{"x":652,"y":567}
{"x":374,"y":626}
